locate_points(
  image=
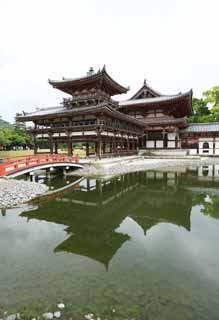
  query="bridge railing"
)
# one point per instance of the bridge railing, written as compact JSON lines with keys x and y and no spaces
{"x":10,"y":166}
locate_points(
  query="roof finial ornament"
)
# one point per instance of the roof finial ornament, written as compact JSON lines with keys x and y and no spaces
{"x":104,"y":68}
{"x":90,"y":72}
{"x":145,"y":82}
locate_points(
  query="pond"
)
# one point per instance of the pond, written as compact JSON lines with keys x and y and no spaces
{"x":138,"y":246}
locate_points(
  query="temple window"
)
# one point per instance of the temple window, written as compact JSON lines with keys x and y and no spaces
{"x":205,"y":147}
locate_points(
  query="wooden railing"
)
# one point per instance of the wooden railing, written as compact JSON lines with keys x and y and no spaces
{"x":9,"y":166}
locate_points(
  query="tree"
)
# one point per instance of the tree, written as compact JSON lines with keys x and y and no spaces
{"x":212,"y":97}
{"x":206,"y":109}
{"x":201,"y":111}
{"x":3,"y":139}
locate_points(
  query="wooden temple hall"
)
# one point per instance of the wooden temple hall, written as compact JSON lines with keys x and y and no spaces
{"x":90,"y":115}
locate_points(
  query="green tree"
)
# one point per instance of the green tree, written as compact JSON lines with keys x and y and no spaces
{"x":201,"y":111}
{"x":212,"y":97}
{"x":3,"y":139}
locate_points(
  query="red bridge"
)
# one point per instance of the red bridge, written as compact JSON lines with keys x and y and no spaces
{"x":21,"y":165}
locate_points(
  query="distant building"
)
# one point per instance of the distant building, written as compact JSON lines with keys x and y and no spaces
{"x":149,"y":120}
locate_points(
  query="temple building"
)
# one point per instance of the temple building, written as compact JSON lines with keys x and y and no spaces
{"x":148,"y":120}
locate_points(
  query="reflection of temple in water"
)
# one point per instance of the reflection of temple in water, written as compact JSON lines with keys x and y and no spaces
{"x":94,"y":209}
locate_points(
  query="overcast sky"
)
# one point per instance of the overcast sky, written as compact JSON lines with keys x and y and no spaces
{"x":172,"y":43}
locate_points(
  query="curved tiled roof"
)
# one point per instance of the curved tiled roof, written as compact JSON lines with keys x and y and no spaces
{"x":154,"y":100}
{"x":67,"y":85}
{"x":202,"y":127}
{"x":61,"y":111}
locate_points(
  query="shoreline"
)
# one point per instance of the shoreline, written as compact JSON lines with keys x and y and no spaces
{"x":101,"y":169}
{"x":16,"y":192}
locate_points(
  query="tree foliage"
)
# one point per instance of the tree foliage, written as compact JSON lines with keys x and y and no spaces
{"x":206,"y":109}
{"x":14,"y":136}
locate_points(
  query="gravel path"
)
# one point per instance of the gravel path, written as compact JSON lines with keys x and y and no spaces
{"x":14,"y":192}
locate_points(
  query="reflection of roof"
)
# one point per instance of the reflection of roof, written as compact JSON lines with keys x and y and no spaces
{"x":91,"y":245}
{"x":91,"y":229}
{"x":101,"y":78}
{"x":202,"y":127}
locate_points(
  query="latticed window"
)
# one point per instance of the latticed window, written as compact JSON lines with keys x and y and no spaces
{"x":155,"y":136}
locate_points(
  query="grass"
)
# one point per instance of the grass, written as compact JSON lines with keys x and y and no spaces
{"x":23,"y":153}
{"x":13,"y":154}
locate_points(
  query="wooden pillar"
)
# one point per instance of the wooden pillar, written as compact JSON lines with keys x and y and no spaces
{"x":214,"y":144}
{"x":137,"y":143}
{"x":122,"y":144}
{"x":51,"y":144}
{"x":87,"y":149}
{"x":114,"y":145}
{"x":164,"y":139}
{"x":128,"y":144}
{"x":104,"y":147}
{"x":69,"y":145}
{"x":99,"y":148}
{"x":56,"y":147}
{"x":111,"y":146}
{"x":34,"y":144}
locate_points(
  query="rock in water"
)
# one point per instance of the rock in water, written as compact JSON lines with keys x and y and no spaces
{"x":11,"y":317}
{"x":61,"y":306}
{"x":48,"y":315}
{"x":57,"y":314}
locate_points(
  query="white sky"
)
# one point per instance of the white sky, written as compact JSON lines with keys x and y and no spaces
{"x":172,"y":43}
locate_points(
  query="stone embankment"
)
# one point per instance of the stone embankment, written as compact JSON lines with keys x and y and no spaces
{"x":15,"y":192}
{"x":103,"y":168}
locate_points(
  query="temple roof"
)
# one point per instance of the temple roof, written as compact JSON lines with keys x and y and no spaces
{"x":183,"y":102}
{"x":155,"y":100}
{"x":202,"y":127}
{"x":146,"y":92}
{"x":62,"y":111}
{"x":99,"y":80}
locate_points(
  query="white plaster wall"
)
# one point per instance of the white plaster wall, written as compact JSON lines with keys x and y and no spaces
{"x":216,"y":146}
{"x":171,"y":136}
{"x":90,"y":133}
{"x":159,"y":144}
{"x":150,"y":144}
{"x":193,"y":152}
{"x":77,"y":133}
{"x":159,"y":175}
{"x":216,"y":170}
{"x":150,"y":175}
{"x":171,"y":144}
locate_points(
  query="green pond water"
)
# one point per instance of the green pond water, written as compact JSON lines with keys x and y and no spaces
{"x":145,"y":244}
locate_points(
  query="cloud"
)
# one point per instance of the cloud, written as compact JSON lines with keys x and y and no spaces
{"x":171,"y":43}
